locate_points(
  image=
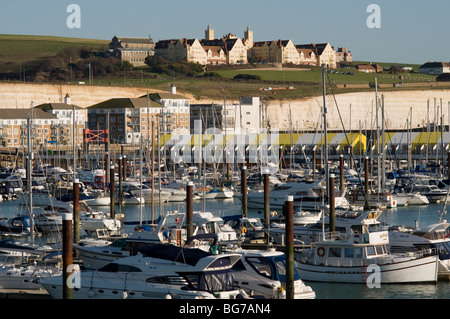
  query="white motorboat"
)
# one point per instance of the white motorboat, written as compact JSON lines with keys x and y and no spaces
{"x":374,"y":199}
{"x":307,"y":196}
{"x":16,"y":252}
{"x":263,"y":273}
{"x":433,"y":193}
{"x":207,"y":223}
{"x":176,"y":195}
{"x":135,"y":188}
{"x":364,"y":258}
{"x":433,"y":238}
{"x":225,"y":192}
{"x":25,"y":277}
{"x":157,"y":272}
{"x":410,"y":199}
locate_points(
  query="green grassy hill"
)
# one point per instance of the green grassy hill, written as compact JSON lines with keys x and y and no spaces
{"x":23,"y":52}
{"x":19,"y":54}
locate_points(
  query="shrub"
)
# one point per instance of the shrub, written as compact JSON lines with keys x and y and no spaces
{"x":247,"y":77}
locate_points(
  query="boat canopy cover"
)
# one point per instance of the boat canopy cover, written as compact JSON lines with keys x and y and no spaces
{"x":171,"y":252}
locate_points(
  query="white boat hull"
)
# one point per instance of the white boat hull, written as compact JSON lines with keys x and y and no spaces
{"x":408,"y":271}
{"x":17,"y":278}
{"x":114,"y":288}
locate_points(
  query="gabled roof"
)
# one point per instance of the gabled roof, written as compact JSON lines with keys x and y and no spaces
{"x":365,"y":67}
{"x":134,"y":40}
{"x":317,"y":48}
{"x":435,"y":65}
{"x":13,"y":114}
{"x":57,"y":106}
{"x":164,"y":96}
{"x":125,"y":103}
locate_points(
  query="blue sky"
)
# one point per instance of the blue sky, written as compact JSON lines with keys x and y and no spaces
{"x":411,"y":31}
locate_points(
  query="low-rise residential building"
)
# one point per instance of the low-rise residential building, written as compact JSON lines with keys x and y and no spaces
{"x":231,"y":118}
{"x":52,"y":125}
{"x":435,"y":68}
{"x":366,"y":68}
{"x":131,"y":118}
{"x":62,"y":129}
{"x":14,"y":126}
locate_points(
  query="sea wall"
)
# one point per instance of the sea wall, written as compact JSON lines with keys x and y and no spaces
{"x":350,"y":111}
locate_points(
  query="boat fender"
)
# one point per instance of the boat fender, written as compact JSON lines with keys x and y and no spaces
{"x":320,"y":251}
{"x":124,"y":294}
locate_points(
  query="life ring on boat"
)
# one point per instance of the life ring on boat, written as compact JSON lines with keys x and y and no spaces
{"x":356,"y":239}
{"x":243,"y":230}
{"x":320,"y":251}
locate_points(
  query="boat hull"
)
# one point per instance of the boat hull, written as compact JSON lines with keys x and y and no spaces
{"x":123,"y":286}
{"x":416,"y":270}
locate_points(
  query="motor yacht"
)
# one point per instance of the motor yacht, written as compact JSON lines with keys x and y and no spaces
{"x":160,"y":271}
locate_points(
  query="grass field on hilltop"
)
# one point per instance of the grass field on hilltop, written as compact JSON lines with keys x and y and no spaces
{"x":336,"y":76}
{"x":25,"y":51}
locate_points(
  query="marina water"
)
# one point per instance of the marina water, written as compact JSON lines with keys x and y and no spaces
{"x":407,"y":216}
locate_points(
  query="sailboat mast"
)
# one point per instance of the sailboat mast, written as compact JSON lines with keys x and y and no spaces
{"x":325,"y":133}
{"x":29,"y":173}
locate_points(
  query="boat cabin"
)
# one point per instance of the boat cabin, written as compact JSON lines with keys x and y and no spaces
{"x":354,"y":250}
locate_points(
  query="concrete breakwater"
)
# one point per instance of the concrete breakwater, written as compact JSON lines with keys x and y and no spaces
{"x":350,"y":110}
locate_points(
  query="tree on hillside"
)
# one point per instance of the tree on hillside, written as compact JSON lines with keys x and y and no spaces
{"x":160,"y":65}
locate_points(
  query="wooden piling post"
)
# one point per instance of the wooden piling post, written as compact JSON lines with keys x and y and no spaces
{"x":67,"y":257}
{"x":289,"y":231}
{"x":120,"y":180}
{"x":190,"y":209}
{"x":244,"y":190}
